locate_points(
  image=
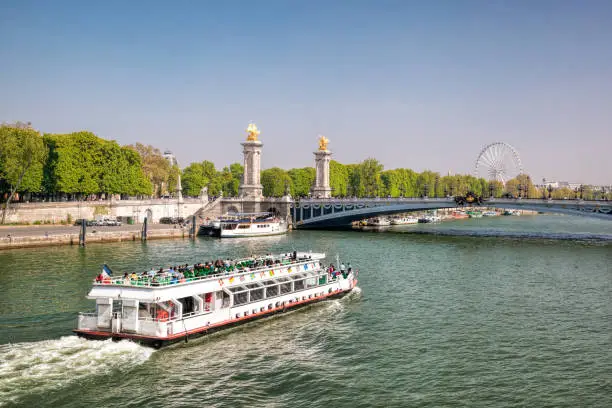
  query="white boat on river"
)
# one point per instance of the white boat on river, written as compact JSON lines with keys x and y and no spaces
{"x":404,"y":220}
{"x":244,"y":225}
{"x":171,"y":305}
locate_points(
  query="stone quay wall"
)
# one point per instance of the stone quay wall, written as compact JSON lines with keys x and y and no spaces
{"x":32,"y":241}
{"x":57,"y":212}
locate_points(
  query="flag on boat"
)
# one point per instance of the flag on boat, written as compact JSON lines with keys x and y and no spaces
{"x":242,"y":278}
{"x":289,"y":270}
{"x":221,"y":282}
{"x":106,"y":270}
{"x":305,"y":267}
{"x":271,"y":273}
{"x":252,"y":276}
{"x":231,"y":280}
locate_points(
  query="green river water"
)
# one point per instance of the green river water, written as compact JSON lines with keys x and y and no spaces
{"x":504,"y":312}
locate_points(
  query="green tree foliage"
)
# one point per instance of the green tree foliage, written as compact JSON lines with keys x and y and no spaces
{"x":338,"y":179}
{"x":366,"y":180}
{"x":155,"y":166}
{"x":301,"y":181}
{"x":81,"y":163}
{"x":275,"y":182}
{"x":197,"y":176}
{"x":22,"y":154}
{"x":522,"y":181}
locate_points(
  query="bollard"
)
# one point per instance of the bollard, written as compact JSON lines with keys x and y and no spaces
{"x":145,"y":229}
{"x":83,"y":233}
{"x":192,"y":232}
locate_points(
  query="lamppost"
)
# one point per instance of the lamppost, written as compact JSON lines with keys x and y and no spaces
{"x":491,"y":188}
{"x":520,"y":191}
{"x":550,"y":189}
{"x":425,"y":190}
{"x":576,"y":193}
{"x":581,"y":189}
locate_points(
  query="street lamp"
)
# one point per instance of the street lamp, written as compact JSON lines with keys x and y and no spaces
{"x":491,"y":188}
{"x":520,"y":191}
{"x":425,"y":189}
{"x":581,"y":191}
{"x":550,"y":189}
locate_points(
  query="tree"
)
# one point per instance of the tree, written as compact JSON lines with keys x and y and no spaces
{"x":301,"y":181}
{"x":366,"y":181}
{"x":154,"y":165}
{"x":275,"y":181}
{"x":338,"y":179}
{"x":22,"y":154}
{"x":199,"y":175}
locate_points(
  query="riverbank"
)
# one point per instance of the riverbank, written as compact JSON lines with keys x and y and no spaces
{"x":41,"y":236}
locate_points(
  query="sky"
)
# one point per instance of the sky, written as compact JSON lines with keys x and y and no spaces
{"x":422,"y":85}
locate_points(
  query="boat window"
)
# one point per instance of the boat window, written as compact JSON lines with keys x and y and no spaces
{"x":299,"y":284}
{"x":285,"y":288}
{"x":243,"y":226}
{"x":311,"y":282}
{"x":257,"y":294}
{"x":188,"y":305}
{"x":241,"y":298}
{"x":271,"y":291}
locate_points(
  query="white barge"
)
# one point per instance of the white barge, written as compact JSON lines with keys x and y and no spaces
{"x":160,"y":308}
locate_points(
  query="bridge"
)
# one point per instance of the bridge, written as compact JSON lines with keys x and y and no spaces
{"x":334,"y":213}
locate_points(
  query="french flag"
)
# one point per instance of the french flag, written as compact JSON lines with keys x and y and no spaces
{"x":107,"y":270}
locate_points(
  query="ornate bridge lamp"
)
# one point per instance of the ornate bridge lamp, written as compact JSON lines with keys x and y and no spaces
{"x":550,"y":189}
{"x":576,"y":193}
{"x":425,"y":190}
{"x":491,"y":188}
{"x":581,"y":189}
{"x":520,"y":191}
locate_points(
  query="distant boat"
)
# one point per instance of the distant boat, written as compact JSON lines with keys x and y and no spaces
{"x":512,"y":212}
{"x":475,"y":214}
{"x":429,"y":219}
{"x":378,"y":222}
{"x":404,"y":220}
{"x":490,"y":214}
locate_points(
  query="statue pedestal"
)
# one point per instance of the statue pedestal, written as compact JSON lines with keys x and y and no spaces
{"x":251,"y":187}
{"x":321,"y":188}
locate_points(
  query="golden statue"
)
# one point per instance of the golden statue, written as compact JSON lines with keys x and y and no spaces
{"x":252,"y":132}
{"x":323,"y":141}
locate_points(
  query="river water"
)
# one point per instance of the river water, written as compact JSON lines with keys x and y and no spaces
{"x":504,"y":312}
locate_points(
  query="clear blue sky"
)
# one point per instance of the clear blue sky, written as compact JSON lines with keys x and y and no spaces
{"x":414,"y":84}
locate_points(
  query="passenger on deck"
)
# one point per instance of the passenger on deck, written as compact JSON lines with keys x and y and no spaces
{"x":126,"y":279}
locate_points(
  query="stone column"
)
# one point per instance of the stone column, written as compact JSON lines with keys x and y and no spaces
{"x":251,"y":186}
{"x":321,"y":188}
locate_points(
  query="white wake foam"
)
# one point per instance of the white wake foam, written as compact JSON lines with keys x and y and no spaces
{"x":27,"y":368}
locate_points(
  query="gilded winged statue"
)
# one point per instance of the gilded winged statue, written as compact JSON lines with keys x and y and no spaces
{"x":323,"y":141}
{"x":252,"y":132}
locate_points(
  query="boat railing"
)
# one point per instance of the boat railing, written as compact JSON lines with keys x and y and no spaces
{"x":166,"y":279}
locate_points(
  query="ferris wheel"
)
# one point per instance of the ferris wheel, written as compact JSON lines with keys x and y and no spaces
{"x":498,"y":161}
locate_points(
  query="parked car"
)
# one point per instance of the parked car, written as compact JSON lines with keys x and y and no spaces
{"x":171,"y":220}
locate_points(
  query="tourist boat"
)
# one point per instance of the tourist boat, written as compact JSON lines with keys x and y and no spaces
{"x":474,"y":214}
{"x":244,"y":225}
{"x":252,"y":225}
{"x":378,"y":222}
{"x":490,"y":214}
{"x":161,"y":308}
{"x":404,"y":220}
{"x":459,"y":215}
